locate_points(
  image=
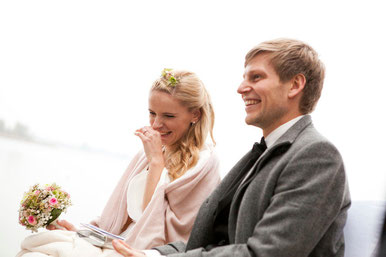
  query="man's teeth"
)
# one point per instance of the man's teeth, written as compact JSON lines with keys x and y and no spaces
{"x":250,"y":102}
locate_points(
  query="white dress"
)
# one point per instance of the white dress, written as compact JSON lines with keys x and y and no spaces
{"x":135,"y":193}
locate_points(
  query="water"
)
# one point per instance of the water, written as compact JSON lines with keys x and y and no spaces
{"x":89,"y":177}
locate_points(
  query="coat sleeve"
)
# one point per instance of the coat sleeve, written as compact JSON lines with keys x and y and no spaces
{"x":171,"y":248}
{"x":308,"y":197}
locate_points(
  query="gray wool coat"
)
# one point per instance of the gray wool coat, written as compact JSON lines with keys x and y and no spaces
{"x":296,"y":206}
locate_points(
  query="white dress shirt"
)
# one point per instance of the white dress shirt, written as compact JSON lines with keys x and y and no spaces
{"x":278,"y":132}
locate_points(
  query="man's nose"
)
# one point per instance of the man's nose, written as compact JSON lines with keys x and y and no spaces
{"x":243,"y":88}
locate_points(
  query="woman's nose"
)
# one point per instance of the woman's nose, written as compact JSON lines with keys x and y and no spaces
{"x":157,"y":124}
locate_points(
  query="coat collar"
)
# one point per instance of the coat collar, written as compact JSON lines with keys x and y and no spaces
{"x":286,"y":140}
{"x":292,"y":133}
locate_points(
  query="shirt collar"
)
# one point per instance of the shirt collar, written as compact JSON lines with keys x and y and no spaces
{"x":278,"y":132}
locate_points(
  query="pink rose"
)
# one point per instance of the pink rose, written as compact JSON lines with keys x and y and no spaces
{"x":37,"y":192}
{"x":53,"y":201}
{"x":32,"y":220}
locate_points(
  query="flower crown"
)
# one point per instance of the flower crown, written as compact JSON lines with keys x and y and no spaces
{"x":170,"y":77}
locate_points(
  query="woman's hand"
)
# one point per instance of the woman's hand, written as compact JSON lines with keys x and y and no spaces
{"x":125,"y":250}
{"x":152,"y":144}
{"x":65,"y":225}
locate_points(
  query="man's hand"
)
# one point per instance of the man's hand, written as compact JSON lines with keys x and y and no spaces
{"x":65,"y":225}
{"x":125,"y":250}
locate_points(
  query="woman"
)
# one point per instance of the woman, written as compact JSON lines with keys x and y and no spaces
{"x":157,"y":198}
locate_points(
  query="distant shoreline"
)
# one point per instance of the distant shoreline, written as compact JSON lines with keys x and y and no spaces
{"x":84,"y":148}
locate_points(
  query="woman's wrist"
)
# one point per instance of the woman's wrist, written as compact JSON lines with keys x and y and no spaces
{"x":156,"y":163}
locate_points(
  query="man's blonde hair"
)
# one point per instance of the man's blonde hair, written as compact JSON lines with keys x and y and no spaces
{"x":290,"y":57}
{"x":191,"y":93}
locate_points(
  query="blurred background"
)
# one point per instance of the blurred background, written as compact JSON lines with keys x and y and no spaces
{"x":75,"y":75}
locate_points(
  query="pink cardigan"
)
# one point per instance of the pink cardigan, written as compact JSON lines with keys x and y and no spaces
{"x":173,"y":208}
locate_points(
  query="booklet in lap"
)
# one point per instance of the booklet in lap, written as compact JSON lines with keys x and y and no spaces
{"x":97,"y":236}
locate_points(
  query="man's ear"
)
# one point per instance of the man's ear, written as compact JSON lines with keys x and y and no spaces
{"x":297,"y":85}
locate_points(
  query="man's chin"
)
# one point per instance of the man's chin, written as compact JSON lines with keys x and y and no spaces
{"x":252,"y":122}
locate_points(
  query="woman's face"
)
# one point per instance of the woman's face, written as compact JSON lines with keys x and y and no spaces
{"x":167,"y":116}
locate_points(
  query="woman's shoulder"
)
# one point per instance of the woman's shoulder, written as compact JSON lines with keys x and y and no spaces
{"x":208,"y":152}
{"x":207,"y":155}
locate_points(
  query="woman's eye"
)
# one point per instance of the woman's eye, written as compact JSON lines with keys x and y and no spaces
{"x":152,"y":113}
{"x":170,"y":116}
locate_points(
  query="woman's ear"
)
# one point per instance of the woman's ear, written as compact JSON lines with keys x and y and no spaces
{"x":196,"y":115}
{"x":297,"y":85}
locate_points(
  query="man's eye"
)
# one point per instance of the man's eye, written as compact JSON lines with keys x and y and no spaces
{"x":255,"y":77}
{"x":152,"y":113}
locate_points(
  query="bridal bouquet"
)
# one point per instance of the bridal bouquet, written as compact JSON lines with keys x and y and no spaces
{"x":42,"y":205}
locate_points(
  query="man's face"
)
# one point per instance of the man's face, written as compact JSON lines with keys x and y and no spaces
{"x":264,"y":95}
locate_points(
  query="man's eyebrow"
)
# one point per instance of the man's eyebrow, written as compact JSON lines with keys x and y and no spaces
{"x":254,"y":71}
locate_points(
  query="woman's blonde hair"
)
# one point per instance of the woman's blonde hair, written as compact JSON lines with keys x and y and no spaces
{"x":191,"y":93}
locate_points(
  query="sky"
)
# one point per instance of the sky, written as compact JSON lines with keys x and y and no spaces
{"x":79,"y":72}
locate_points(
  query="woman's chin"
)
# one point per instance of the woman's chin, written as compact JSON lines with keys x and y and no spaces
{"x":165,"y":142}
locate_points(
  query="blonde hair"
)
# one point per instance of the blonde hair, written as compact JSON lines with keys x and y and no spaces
{"x":290,"y":57}
{"x":191,"y":93}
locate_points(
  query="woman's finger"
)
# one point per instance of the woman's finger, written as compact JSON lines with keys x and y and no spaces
{"x":67,"y":225}
{"x":51,"y":227}
{"x":140,"y":135}
{"x":124,"y":244}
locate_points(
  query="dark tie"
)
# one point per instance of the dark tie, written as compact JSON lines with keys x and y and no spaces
{"x":222,"y":213}
{"x":250,"y":175}
{"x":259,"y":148}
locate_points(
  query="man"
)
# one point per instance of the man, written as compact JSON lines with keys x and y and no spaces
{"x":290,"y":199}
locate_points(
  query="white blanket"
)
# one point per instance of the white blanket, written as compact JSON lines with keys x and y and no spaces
{"x":59,"y":243}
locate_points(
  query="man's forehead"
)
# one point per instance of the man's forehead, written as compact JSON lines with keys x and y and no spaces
{"x":259,"y":63}
{"x":254,"y":68}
